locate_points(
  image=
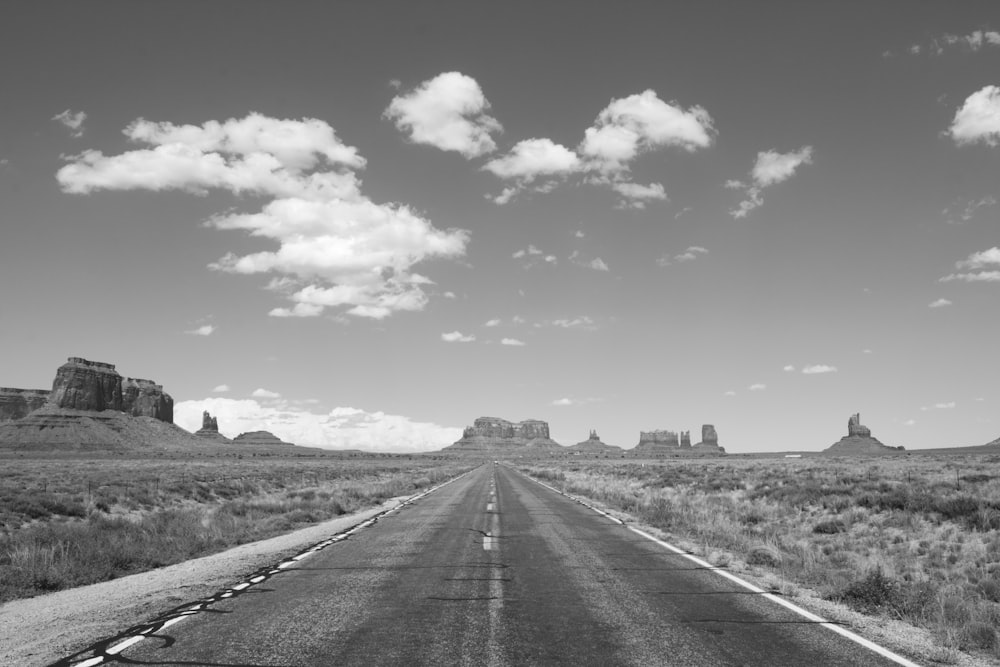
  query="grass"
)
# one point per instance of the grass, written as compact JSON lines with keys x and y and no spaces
{"x":66,"y":523}
{"x":915,"y":538}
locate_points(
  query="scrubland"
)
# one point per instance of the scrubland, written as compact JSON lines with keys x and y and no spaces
{"x":67,"y":522}
{"x":912,"y":538}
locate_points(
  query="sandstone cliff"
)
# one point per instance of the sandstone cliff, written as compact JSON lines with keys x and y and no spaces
{"x":670,"y":443}
{"x":19,"y":403}
{"x":259,"y":438}
{"x":95,"y":386}
{"x":859,"y":442}
{"x":594,"y":446}
{"x":491,"y":433}
{"x":210,"y":428}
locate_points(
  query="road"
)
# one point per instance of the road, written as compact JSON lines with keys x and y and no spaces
{"x":496,"y":569}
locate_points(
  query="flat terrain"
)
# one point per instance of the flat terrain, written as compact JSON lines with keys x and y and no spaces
{"x":496,"y":569}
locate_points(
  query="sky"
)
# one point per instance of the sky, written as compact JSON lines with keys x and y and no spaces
{"x":363,"y":225}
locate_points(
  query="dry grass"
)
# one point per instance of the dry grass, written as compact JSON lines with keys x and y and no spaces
{"x":914,"y":538}
{"x":70,"y":522}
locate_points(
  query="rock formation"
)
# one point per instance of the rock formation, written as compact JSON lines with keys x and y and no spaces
{"x":670,"y":443}
{"x":490,"y":433}
{"x":210,"y":428}
{"x":19,"y":403}
{"x":145,"y":398}
{"x":859,"y":441}
{"x":258,"y":438}
{"x":87,"y":385}
{"x":594,"y":446}
{"x":91,"y":407}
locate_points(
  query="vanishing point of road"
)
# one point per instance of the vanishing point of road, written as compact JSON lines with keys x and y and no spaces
{"x":496,"y":569}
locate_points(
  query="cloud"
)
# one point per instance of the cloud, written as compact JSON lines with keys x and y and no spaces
{"x":978,"y":267}
{"x":582,"y":322}
{"x":449,"y":295}
{"x":691,"y":254}
{"x":789,"y":368}
{"x":770,"y":169}
{"x":940,"y":303}
{"x":204,"y":330}
{"x":641,"y":123}
{"x":264,"y":393}
{"x":636,"y":196}
{"x":968,"y":211}
{"x":818,"y":369}
{"x":978,"y":119}
{"x":532,"y":255}
{"x":565,"y":402}
{"x":729,"y":393}
{"x":341,"y":428}
{"x":598,"y":264}
{"x":221,"y":389}
{"x":492,"y":323}
{"x":457,"y":337}
{"x":447,"y":112}
{"x":950,"y":405}
{"x":529,"y":160}
{"x":909,"y":422}
{"x":579,"y":234}
{"x":866,"y":351}
{"x":336,"y":248}
{"x":512,"y":341}
{"x":757,"y":387}
{"x":974,"y":41}
{"x":73,"y":120}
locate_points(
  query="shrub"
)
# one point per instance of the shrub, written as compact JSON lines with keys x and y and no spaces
{"x":873,"y":593}
{"x":830,"y":527}
{"x":764,"y":554}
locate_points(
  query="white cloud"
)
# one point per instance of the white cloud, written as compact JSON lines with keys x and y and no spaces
{"x":512,"y":341}
{"x":457,"y":337}
{"x":598,"y":264}
{"x":968,"y":211}
{"x":532,"y":255}
{"x":757,"y":387}
{"x":564,"y":402}
{"x":492,"y":323}
{"x":691,"y":254}
{"x":979,"y":266}
{"x":449,"y":295}
{"x":73,"y":120}
{"x":974,"y":41}
{"x":204,"y":330}
{"x":639,"y":124}
{"x":789,"y":368}
{"x":341,"y":428}
{"x":584,"y":322}
{"x":950,"y":405}
{"x":866,"y":351}
{"x":978,"y":119}
{"x":730,"y":393}
{"x":818,"y":369}
{"x":265,"y":393}
{"x":770,"y":169}
{"x":635,"y":195}
{"x":336,"y":248}
{"x":579,"y":234}
{"x":531,"y":158}
{"x":909,"y":422}
{"x":940,"y":303}
{"x":448,"y":112}
{"x":221,"y":389}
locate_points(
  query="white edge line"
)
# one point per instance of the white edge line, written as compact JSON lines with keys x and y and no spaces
{"x":228,"y":593}
{"x":856,"y":638}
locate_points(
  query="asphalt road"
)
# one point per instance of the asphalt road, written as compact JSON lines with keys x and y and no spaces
{"x":495,"y":569}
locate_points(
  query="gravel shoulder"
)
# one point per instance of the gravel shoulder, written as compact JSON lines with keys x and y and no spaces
{"x":43,"y":629}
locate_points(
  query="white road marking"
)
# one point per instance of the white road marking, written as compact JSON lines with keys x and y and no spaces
{"x":489,"y":507}
{"x":192,"y":611}
{"x":858,"y":639}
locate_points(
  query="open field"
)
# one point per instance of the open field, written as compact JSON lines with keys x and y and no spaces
{"x":909,"y":538}
{"x":67,"y":521}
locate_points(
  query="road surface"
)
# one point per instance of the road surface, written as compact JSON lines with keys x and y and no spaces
{"x":496,"y":569}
